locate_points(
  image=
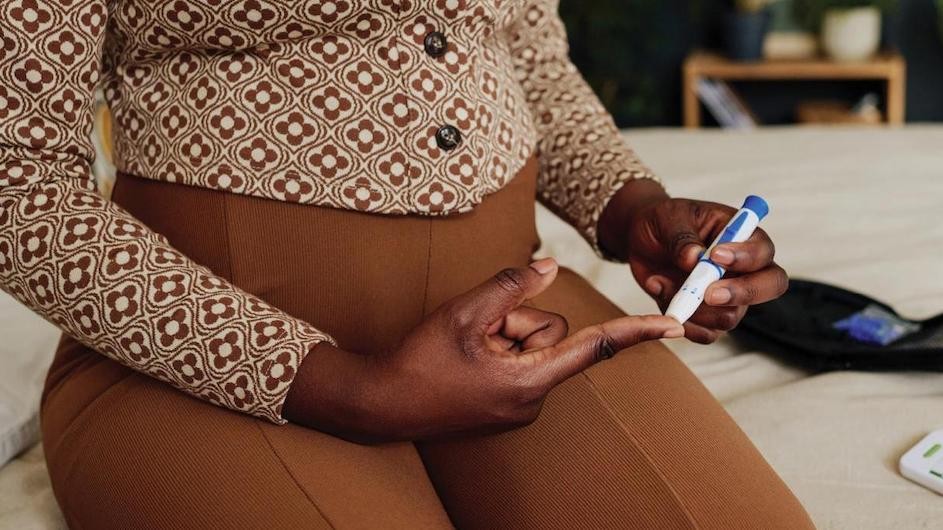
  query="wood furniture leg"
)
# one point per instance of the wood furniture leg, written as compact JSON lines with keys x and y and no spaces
{"x":691,"y":105}
{"x":896,"y":92}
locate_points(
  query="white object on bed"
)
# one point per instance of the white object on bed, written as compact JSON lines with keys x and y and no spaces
{"x":923,"y":463}
{"x":25,"y":352}
{"x":860,"y":208}
{"x":27,"y":346}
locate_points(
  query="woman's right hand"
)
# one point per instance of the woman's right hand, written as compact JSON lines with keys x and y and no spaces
{"x":482,"y":362}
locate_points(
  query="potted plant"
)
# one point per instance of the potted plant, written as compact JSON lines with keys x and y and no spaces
{"x":850,"y":29}
{"x":745,"y":29}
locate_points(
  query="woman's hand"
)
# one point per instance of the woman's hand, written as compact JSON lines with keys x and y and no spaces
{"x":482,"y":362}
{"x":662,"y":239}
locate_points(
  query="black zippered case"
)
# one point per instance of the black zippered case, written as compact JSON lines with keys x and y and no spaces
{"x":798,"y":327}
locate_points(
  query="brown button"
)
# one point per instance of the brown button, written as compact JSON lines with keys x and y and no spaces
{"x":436,"y":44}
{"x":448,"y":137}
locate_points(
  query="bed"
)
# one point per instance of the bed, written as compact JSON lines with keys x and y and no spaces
{"x":859,"y":208}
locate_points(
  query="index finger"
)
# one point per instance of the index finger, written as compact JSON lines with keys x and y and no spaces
{"x":592,"y":344}
{"x":756,"y":253}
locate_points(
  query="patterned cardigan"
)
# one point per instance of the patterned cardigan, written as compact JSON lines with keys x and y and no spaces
{"x":388,"y":106}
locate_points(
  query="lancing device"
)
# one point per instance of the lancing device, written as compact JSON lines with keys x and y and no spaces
{"x":706,"y":272}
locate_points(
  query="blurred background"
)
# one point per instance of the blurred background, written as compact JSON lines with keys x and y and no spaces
{"x":632,"y":52}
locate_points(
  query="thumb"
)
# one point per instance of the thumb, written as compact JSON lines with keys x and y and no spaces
{"x":683,"y":243}
{"x":592,"y":344}
{"x":505,"y":291}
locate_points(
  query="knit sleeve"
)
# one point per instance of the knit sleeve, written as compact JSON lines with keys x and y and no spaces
{"x":88,"y":266}
{"x":583,"y":158}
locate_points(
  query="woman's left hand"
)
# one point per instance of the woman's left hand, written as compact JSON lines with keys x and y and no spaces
{"x":662,"y":238}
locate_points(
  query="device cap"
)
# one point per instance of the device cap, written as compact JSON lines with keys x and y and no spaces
{"x":757,"y":205}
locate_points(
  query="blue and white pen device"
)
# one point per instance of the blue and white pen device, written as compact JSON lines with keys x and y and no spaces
{"x":706,"y":272}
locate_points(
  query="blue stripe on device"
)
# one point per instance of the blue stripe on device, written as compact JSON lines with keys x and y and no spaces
{"x":757,"y":205}
{"x":720,"y":270}
{"x":731,"y":231}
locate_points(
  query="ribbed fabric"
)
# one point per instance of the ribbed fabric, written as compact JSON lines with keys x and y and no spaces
{"x":636,"y":442}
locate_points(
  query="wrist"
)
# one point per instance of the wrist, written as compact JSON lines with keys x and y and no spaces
{"x":633,"y":197}
{"x":332,"y":393}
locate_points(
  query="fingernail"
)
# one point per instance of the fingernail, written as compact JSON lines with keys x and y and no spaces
{"x":697,"y":251}
{"x":673,"y":333}
{"x":724,"y":256}
{"x":654,"y":287}
{"x":544,"y":266}
{"x":720,"y":296}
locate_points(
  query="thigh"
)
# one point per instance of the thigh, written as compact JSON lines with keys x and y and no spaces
{"x":634,"y":442}
{"x":126,"y":451}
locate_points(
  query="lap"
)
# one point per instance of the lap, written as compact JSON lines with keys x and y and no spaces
{"x":634,"y":442}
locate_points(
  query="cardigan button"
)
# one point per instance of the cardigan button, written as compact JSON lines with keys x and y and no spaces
{"x":435,"y":44}
{"x":448,"y":137}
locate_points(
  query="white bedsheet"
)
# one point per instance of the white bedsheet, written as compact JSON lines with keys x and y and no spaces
{"x":858,"y":208}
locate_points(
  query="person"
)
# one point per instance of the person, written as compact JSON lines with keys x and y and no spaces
{"x":324,"y":216}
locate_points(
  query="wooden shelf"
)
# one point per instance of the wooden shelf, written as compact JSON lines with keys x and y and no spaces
{"x":890,"y":68}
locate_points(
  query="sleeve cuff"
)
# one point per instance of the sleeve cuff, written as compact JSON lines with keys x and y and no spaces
{"x":278,"y":369}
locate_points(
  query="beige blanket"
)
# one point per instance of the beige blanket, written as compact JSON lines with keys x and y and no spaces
{"x":858,"y":208}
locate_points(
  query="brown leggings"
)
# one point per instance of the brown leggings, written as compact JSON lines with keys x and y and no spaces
{"x":635,"y":442}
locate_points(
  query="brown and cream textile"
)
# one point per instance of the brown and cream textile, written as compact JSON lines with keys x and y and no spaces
{"x":386,"y":106}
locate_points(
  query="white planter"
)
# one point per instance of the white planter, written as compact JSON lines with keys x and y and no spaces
{"x":851,"y":34}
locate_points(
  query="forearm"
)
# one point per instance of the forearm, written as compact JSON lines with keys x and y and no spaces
{"x":584,"y":160}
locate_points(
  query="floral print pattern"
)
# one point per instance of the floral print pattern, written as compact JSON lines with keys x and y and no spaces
{"x":331,"y":102}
